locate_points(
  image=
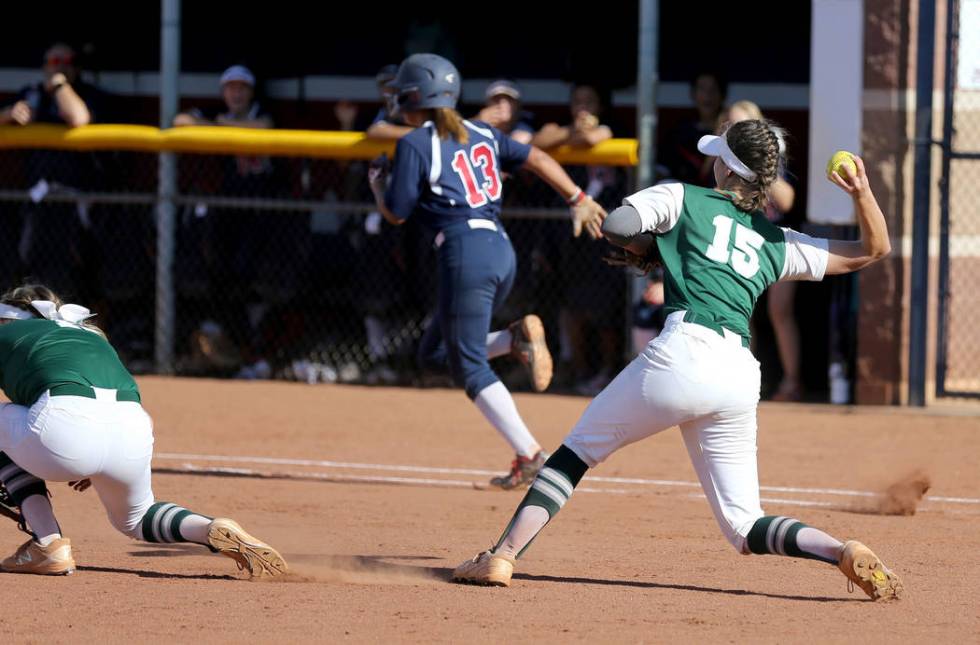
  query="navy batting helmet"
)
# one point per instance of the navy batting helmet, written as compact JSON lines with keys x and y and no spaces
{"x":426,"y":81}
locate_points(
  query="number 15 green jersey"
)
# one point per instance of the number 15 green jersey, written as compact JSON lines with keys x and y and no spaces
{"x":719,"y":259}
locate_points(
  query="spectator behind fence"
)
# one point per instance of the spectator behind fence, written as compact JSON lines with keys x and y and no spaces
{"x":592,"y":299}
{"x":782,"y":295}
{"x":59,"y":98}
{"x":375,"y":248}
{"x":388,"y":124}
{"x":251,"y":259}
{"x":502,"y":109}
{"x":59,"y":252}
{"x":681,"y":155}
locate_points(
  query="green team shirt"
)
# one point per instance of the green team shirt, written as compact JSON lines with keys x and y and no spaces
{"x":38,"y":354}
{"x":718,"y":259}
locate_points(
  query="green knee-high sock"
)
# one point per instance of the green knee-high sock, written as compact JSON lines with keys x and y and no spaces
{"x":787,"y":536}
{"x":162,"y":523}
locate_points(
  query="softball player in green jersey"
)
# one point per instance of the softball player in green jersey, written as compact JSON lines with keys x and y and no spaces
{"x":719,"y":253}
{"x":75,"y":416}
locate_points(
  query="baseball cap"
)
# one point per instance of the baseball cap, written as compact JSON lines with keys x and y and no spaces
{"x":505,"y":88}
{"x":238,"y":73}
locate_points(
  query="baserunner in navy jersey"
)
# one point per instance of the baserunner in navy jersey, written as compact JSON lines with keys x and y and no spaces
{"x":719,"y":253}
{"x":76,"y":416}
{"x":448,"y":173}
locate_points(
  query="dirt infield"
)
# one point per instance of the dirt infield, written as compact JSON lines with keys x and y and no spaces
{"x":370,"y":495}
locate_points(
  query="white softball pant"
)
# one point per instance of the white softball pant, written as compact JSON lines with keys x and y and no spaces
{"x":708,"y":384}
{"x":66,"y":438}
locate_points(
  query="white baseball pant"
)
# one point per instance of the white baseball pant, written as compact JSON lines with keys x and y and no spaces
{"x":67,"y":438}
{"x":708,"y":384}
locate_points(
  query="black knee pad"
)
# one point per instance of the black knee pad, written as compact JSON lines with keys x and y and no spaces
{"x":19,"y":483}
{"x":569,"y":463}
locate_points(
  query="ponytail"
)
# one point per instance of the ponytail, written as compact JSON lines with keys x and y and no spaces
{"x":450,"y":124}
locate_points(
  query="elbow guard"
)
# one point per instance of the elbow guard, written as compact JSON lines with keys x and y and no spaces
{"x":622,"y":225}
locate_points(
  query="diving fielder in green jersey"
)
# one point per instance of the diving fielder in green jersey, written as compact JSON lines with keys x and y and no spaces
{"x":75,"y":416}
{"x":719,"y":253}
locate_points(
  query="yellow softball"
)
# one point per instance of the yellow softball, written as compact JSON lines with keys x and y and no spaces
{"x":841,"y":158}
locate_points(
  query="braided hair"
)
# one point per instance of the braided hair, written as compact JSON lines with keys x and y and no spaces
{"x":756,"y":142}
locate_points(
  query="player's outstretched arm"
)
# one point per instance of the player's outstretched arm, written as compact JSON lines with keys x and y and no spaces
{"x":848,"y":256}
{"x":586,"y":213}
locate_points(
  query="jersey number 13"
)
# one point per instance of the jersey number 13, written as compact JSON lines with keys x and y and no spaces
{"x":744,"y":257}
{"x":482,"y":156}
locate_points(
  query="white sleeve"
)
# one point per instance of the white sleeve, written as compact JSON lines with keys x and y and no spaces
{"x":806,"y":257}
{"x":659,"y":206}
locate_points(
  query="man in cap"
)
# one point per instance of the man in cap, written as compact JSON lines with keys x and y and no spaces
{"x":238,"y":93}
{"x":234,"y":245}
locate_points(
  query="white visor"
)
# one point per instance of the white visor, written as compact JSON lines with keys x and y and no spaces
{"x":715,"y":146}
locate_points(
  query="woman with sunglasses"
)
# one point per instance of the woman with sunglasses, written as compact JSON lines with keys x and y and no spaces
{"x":448,"y":173}
{"x":58,"y":98}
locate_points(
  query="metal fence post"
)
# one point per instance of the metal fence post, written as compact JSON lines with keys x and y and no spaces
{"x":646,"y":130}
{"x":920,"y":203}
{"x":646,"y":84}
{"x":167,"y":188}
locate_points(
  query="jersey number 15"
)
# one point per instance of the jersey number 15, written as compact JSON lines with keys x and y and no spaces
{"x":745,"y":256}
{"x":481,"y":155}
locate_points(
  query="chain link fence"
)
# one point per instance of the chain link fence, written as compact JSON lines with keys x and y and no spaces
{"x":959,"y":262}
{"x":284,"y":270}
{"x":82,"y":222}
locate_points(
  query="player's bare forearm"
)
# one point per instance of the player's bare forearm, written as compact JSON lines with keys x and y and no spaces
{"x":544,"y":166}
{"x":390,"y":217}
{"x":586,"y":213}
{"x":874,"y":244}
{"x":874,"y":231}
{"x":846,"y":257}
{"x":379,"y":202}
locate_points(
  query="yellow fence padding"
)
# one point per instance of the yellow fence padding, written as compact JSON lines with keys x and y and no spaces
{"x":287,"y":143}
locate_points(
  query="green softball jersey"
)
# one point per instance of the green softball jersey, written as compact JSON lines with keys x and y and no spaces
{"x":38,"y":354}
{"x":719,"y":259}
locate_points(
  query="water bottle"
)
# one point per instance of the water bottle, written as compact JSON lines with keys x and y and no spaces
{"x":840,"y":386}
